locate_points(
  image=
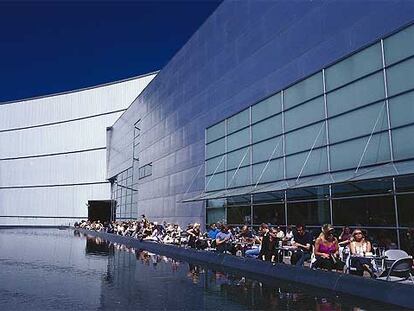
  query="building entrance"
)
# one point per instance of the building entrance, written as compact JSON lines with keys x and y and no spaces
{"x":100,"y":210}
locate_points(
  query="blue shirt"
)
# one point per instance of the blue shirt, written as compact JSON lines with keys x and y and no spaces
{"x":213,"y":233}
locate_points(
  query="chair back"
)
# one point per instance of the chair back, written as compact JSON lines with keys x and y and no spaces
{"x":395,"y":254}
{"x":401,"y":268}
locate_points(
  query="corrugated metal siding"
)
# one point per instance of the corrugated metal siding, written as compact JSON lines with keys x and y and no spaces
{"x":59,"y":152}
{"x":62,"y":137}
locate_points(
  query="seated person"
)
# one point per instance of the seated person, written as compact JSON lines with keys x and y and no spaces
{"x":194,"y":237}
{"x":359,"y":247}
{"x":280,"y":235}
{"x":246,"y":235}
{"x":213,"y":231}
{"x":327,"y":250}
{"x":288,"y":236}
{"x":302,"y":240}
{"x":224,"y":239}
{"x":345,"y":237}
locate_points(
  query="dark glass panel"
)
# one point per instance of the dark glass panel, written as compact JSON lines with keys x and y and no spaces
{"x":385,"y":238}
{"x":319,"y":192}
{"x":238,"y":215}
{"x":216,"y":203}
{"x":371,"y":211}
{"x":239,"y":200}
{"x":406,"y":210}
{"x":407,"y":241}
{"x":376,"y":186}
{"x":269,"y":213}
{"x":269,"y":197}
{"x":309,"y":213}
{"x":405,"y":184}
{"x":215,"y":215}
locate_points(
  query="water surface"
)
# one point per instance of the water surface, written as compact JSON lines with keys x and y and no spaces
{"x":51,"y":269}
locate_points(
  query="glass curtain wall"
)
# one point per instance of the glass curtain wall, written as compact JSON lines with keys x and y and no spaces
{"x":354,"y":114}
{"x":124,"y":186}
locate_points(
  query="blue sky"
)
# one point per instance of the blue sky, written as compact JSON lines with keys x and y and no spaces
{"x":48,"y":47}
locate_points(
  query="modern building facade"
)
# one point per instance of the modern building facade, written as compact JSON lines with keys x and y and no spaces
{"x":278,"y":112}
{"x":53,"y":152}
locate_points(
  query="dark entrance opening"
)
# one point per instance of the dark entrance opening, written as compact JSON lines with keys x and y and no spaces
{"x":100,"y":210}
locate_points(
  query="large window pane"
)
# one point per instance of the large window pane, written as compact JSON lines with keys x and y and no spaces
{"x":215,"y":215}
{"x":370,"y":211}
{"x":215,"y":182}
{"x":238,"y":121}
{"x":269,"y":213}
{"x":354,"y":67}
{"x":305,"y":138}
{"x":357,"y":94}
{"x":238,"y":158}
{"x":317,"y":192}
{"x":403,"y":142}
{"x":304,"y":90}
{"x":268,"y":149}
{"x":216,"y":131}
{"x":239,"y":139}
{"x":382,"y":237}
{"x":264,"y":172}
{"x":309,"y":213}
{"x":215,"y":165}
{"x":348,"y":154}
{"x":399,"y":45}
{"x":236,"y":178}
{"x":267,"y":128}
{"x":404,"y":183}
{"x":376,"y":186}
{"x":310,"y":112}
{"x":400,"y":77}
{"x":269,"y":197}
{"x":406,"y":238}
{"x":363,"y":122}
{"x":266,"y":108}
{"x":406,"y":210}
{"x":316,"y":163}
{"x":239,"y":200}
{"x":238,"y":215}
{"x":402,"y":109}
{"x":215,"y":148}
{"x":216,"y":203}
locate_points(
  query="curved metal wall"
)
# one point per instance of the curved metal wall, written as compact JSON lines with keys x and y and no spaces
{"x":53,"y":154}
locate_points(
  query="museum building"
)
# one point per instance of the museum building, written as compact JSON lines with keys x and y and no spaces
{"x":277,"y":112}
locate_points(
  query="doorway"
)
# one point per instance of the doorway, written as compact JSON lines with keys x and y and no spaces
{"x":100,"y":210}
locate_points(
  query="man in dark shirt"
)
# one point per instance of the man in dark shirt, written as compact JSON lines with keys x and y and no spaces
{"x":303,"y":243}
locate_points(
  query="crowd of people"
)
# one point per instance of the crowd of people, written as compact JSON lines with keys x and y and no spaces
{"x":322,"y":250}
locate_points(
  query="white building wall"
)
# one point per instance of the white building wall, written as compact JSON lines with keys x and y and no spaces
{"x":53,"y":152}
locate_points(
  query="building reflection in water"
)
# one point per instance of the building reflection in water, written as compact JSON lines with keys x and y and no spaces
{"x":150,"y":281}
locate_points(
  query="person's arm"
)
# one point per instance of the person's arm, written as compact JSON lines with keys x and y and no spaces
{"x":352,"y":248}
{"x":336,"y":254}
{"x":369,"y":247}
{"x":190,"y":232}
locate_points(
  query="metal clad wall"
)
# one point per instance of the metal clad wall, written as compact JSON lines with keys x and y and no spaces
{"x":53,"y":155}
{"x":244,"y":52}
{"x":58,"y":138}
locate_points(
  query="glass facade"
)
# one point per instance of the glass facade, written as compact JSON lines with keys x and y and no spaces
{"x":357,"y":113}
{"x":124,"y":187}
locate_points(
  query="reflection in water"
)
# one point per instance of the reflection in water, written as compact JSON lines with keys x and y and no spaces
{"x":93,"y":274}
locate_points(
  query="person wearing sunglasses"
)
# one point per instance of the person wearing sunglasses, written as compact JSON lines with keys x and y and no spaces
{"x":360,"y":248}
{"x":327,"y":250}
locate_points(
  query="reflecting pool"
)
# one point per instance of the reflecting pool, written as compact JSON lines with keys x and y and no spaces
{"x":51,"y":269}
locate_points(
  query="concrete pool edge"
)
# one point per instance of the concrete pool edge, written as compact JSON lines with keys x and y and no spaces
{"x":387,"y":292}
